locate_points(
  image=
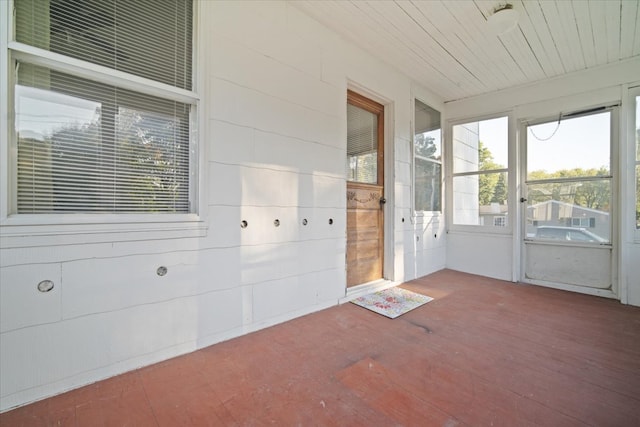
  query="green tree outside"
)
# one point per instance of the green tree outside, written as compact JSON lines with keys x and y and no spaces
{"x":589,"y":194}
{"x":492,"y":186}
{"x":500,"y":190}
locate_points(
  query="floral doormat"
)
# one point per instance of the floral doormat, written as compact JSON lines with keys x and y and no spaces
{"x":392,"y":302}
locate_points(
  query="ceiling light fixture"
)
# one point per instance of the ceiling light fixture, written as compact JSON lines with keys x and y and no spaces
{"x":503,"y":19}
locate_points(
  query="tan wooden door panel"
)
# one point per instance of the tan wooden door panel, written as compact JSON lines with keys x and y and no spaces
{"x":364,"y":233}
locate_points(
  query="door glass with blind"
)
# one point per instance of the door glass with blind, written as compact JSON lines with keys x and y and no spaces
{"x":85,"y":145}
{"x":568,"y":209}
{"x":362,"y":145}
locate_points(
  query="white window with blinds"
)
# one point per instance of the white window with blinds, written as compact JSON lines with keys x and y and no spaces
{"x":362,"y":145}
{"x":104,"y":107}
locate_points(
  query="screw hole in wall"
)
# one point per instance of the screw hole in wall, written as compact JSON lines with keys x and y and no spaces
{"x":45,"y":286}
{"x":402,"y":219}
{"x":161,"y":271}
{"x":330,"y":221}
{"x":244,"y":224}
{"x":276,"y":222}
{"x":305,"y":222}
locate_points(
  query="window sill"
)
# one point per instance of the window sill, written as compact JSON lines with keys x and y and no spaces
{"x":54,"y":230}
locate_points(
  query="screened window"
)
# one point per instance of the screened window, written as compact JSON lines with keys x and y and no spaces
{"x":93,"y":141}
{"x":480,"y":180}
{"x":427,"y":152}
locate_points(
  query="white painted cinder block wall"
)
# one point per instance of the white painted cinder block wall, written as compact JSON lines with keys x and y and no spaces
{"x":274,"y":105}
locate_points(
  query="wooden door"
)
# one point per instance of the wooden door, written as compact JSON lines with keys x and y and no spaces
{"x":365,"y":189}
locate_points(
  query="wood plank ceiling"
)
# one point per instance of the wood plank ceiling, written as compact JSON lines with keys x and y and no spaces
{"x":448,"y":47}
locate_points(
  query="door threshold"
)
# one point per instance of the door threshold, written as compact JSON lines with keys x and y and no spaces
{"x":367,"y":288}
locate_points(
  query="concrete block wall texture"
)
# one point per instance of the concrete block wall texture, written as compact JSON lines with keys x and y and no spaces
{"x":273,"y":88}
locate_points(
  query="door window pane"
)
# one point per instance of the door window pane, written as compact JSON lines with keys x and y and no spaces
{"x":362,"y":145}
{"x":576,"y":147}
{"x":560,"y":210}
{"x":568,"y":183}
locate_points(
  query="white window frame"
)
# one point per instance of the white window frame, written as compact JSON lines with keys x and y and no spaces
{"x":419,"y":214}
{"x":511,"y":171}
{"x":629,"y":104}
{"x":94,"y":227}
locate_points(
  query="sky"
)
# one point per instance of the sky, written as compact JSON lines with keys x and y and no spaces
{"x":581,"y":142}
{"x":494,"y":135}
{"x":41,"y":112}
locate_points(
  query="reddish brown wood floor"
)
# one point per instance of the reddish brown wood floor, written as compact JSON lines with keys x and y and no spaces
{"x":483,"y":353}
